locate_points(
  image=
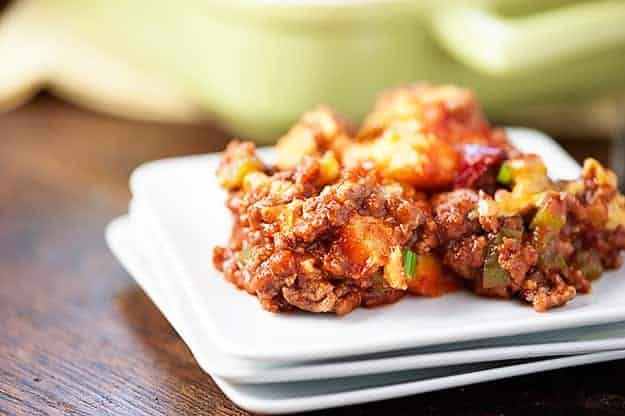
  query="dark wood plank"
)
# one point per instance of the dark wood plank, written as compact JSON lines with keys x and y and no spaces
{"x":78,"y":337}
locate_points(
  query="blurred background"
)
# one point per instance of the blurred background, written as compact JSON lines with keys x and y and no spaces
{"x":90,"y":89}
{"x":252,"y":66}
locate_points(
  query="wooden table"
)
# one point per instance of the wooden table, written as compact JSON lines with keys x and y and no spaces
{"x":79,"y":337}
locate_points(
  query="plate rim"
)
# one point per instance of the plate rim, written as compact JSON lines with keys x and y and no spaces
{"x":135,"y":233}
{"x":546,"y":322}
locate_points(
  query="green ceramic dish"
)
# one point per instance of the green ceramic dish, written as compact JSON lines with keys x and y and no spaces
{"x":257,"y":64}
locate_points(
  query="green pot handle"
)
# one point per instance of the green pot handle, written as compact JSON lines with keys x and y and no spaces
{"x":496,"y":45}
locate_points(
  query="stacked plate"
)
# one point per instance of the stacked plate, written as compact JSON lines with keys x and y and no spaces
{"x":278,"y":363}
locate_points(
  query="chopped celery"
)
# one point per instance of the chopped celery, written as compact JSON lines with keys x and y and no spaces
{"x":504,"y":176}
{"x":379,"y":284}
{"x":512,"y":233}
{"x":549,"y":257}
{"x":550,"y":215}
{"x":589,"y":263}
{"x":556,"y":261}
{"x":493,"y":274}
{"x":410,"y":263}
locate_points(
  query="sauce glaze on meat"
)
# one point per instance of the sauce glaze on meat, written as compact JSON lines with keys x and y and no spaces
{"x":425,"y":199}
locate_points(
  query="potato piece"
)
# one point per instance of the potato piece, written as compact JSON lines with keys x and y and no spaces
{"x":366,"y":242}
{"x":596,"y":173}
{"x":594,"y":170}
{"x":616,"y":212}
{"x":238,"y":161}
{"x":529,"y":175}
{"x":430,"y":279}
{"x":317,"y":131}
{"x":428,"y":107}
{"x":394,"y":271}
{"x":255,"y":180}
{"x":329,"y":168}
{"x":297,"y":143}
{"x":419,"y":160}
{"x":531,"y":185}
{"x":284,"y":215}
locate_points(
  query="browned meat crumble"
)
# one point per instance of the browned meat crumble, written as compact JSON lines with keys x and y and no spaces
{"x":425,"y":199}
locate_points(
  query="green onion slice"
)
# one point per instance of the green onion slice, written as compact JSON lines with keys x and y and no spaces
{"x":410,"y":263}
{"x":504,"y":176}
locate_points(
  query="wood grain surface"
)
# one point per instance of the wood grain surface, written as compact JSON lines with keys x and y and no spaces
{"x":78,"y":336}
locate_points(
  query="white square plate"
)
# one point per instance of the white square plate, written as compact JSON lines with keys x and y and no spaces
{"x":186,"y":203}
{"x":180,"y":314}
{"x":293,"y":397}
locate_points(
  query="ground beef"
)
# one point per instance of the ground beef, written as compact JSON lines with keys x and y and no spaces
{"x":312,"y":296}
{"x":609,"y":244}
{"x":321,"y":231}
{"x":300,"y":244}
{"x":466,"y":256}
{"x":516,"y":258}
{"x":546,"y":292}
{"x":575,"y":278}
{"x":451,"y":213}
{"x":378,"y":296}
{"x":321,"y":248}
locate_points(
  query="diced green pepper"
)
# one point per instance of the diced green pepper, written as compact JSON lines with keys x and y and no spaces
{"x":547,"y":223}
{"x":504,"y":176}
{"x":379,"y":284}
{"x":512,"y":233}
{"x":589,"y":263}
{"x":493,"y":274}
{"x":549,"y":255}
{"x":551,"y":216}
{"x":554,"y":262}
{"x":410,"y":263}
